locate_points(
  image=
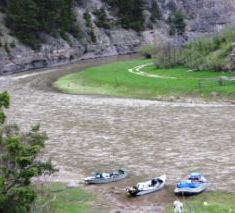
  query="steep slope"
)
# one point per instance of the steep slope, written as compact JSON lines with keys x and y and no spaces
{"x":202,"y":16}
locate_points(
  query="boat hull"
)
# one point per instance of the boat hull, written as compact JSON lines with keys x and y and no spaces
{"x":92,"y":180}
{"x":145,"y":192}
{"x":189,"y":191}
{"x":148,"y":191}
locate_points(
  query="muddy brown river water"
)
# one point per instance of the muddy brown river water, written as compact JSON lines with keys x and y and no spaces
{"x":149,"y":138}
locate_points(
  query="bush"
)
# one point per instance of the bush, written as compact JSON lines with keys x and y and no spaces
{"x":130,"y":13}
{"x":168,"y":55}
{"x":89,"y":25}
{"x":101,"y":19}
{"x":210,"y":53}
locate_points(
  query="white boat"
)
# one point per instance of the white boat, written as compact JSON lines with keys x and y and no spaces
{"x":193,"y":184}
{"x":147,"y":187}
{"x":98,"y":178}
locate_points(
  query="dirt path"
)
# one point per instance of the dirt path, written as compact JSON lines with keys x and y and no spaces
{"x":138,"y":71}
{"x":148,"y":138}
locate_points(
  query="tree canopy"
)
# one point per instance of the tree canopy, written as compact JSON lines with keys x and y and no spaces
{"x":177,"y":23}
{"x":130,"y":13}
{"x":28,"y":18}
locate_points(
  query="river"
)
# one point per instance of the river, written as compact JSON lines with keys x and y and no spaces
{"x":149,"y":138}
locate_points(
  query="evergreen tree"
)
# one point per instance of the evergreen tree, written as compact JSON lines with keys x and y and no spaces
{"x":177,"y":23}
{"x":101,"y":18}
{"x":22,"y":19}
{"x":155,"y":11}
{"x":28,"y":18}
{"x":130,"y":13}
{"x":18,"y":163}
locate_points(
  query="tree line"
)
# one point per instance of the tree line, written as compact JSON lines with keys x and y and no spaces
{"x":28,"y":18}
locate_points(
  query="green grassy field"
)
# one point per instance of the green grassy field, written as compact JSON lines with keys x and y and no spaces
{"x":216,"y":202}
{"x":56,"y":197}
{"x":114,"y":79}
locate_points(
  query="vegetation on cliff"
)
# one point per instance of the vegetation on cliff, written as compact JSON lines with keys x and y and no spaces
{"x":130,"y":13}
{"x":27,"y":19}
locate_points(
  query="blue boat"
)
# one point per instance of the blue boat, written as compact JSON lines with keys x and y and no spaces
{"x":193,"y":184}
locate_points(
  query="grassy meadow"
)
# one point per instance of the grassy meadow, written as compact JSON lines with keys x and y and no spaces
{"x":56,"y":197}
{"x":115,"y":80}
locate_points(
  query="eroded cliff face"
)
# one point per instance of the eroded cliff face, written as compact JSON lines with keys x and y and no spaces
{"x":203,"y":16}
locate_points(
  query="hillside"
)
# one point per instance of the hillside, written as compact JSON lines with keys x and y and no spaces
{"x":98,"y":28}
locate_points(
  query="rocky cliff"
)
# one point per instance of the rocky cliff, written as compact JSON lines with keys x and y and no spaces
{"x":202,"y":16}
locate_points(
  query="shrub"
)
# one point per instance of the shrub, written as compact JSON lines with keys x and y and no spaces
{"x":211,"y":53}
{"x":102,"y":19}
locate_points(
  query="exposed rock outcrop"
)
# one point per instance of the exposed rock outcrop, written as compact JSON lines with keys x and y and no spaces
{"x":203,"y":16}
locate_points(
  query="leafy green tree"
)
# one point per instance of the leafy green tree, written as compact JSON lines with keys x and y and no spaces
{"x":19,"y":163}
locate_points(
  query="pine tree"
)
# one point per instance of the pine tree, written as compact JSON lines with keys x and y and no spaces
{"x":131,"y":14}
{"x":28,"y":18}
{"x":177,"y":23}
{"x":19,"y":163}
{"x":155,"y":11}
{"x":22,"y":20}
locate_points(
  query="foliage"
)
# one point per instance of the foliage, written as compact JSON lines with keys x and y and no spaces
{"x":205,"y":53}
{"x":4,"y":103}
{"x":101,"y":18}
{"x":19,"y":163}
{"x":130,"y":13}
{"x":148,"y":50}
{"x":89,"y":25}
{"x":22,"y":20}
{"x":177,"y":23}
{"x":155,"y":11}
{"x":28,"y":18}
{"x":211,"y":53}
{"x":168,"y":55}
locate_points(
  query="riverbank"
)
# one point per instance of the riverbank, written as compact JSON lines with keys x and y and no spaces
{"x":141,"y":79}
{"x":92,"y":132}
{"x":57,"y":197}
